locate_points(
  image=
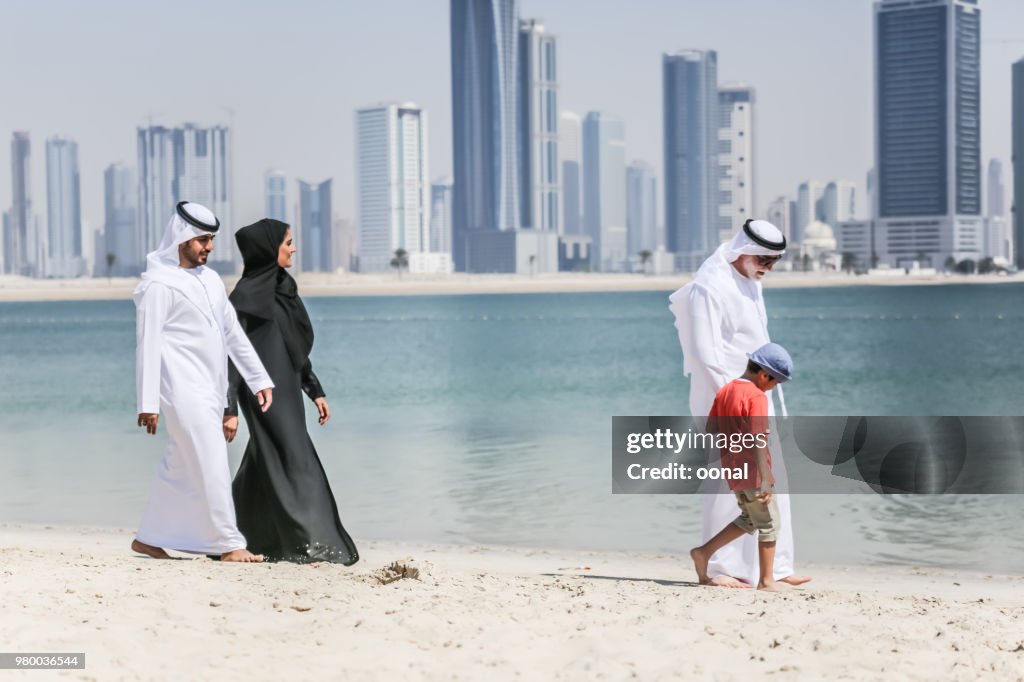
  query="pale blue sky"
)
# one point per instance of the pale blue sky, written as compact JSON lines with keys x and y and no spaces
{"x":294,"y":72}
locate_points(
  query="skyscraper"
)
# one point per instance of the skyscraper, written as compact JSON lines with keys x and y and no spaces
{"x":441,"y":215}
{"x":641,"y":209}
{"x":186,"y":164}
{"x":570,"y":149}
{"x":485,"y":69}
{"x":315,"y":228}
{"x":18,"y":259}
{"x":735,"y":158}
{"x":778,"y":214}
{"x":838,"y":203}
{"x":604,"y":190}
{"x":275,"y":196}
{"x":691,"y":116}
{"x":808,"y":206}
{"x":392,"y":188}
{"x":539,"y":188}
{"x":121,"y":233}
{"x":63,"y":209}
{"x":1018,"y":163}
{"x":927,"y":130}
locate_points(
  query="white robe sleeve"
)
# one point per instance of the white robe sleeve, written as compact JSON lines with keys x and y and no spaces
{"x":242,"y":353}
{"x":699,"y":322}
{"x":154,"y":307}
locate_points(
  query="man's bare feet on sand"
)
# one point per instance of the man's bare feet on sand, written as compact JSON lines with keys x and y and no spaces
{"x":242,"y":556}
{"x":149,"y":550}
{"x":795,"y":579}
{"x":700,"y":564}
{"x":774,"y":586}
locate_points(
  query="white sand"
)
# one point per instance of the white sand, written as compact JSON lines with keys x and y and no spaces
{"x":489,"y":613}
{"x":317,"y":284}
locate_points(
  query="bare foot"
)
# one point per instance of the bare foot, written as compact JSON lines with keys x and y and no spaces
{"x":729,"y":581}
{"x":774,"y":586}
{"x":149,"y":550}
{"x":795,"y":579}
{"x":700,"y":564}
{"x":242,"y":556}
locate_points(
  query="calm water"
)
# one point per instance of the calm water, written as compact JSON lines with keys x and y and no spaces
{"x":488,"y":418}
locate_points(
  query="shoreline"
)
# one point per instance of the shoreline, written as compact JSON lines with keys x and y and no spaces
{"x":490,"y":612}
{"x":23,"y":289}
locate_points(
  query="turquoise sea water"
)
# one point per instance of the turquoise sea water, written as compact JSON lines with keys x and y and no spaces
{"x":488,"y":418}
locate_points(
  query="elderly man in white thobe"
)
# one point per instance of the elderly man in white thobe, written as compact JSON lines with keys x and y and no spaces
{"x":721,"y":317}
{"x":186,"y":329}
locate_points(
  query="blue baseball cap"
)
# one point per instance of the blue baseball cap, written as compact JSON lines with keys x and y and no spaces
{"x":773,"y":358}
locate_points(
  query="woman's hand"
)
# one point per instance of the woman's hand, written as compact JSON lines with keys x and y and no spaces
{"x":230,"y":428}
{"x":325,"y":412}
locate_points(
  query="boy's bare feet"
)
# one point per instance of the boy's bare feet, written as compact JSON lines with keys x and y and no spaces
{"x":149,"y":550}
{"x":795,"y":579}
{"x":774,"y":586}
{"x":242,"y":556}
{"x":700,"y":564}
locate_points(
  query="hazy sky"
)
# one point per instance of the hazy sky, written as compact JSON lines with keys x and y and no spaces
{"x":293,"y":73}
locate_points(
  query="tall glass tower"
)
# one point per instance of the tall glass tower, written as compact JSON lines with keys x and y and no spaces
{"x":691,"y":119}
{"x":275,"y":195}
{"x":539,"y":188}
{"x":63,"y":209}
{"x":314,"y":240}
{"x":927,"y":130}
{"x":485,"y":69}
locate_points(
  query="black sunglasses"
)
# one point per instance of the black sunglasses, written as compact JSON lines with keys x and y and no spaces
{"x":768,"y":260}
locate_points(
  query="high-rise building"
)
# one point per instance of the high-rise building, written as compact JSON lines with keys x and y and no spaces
{"x":186,"y":164}
{"x":1018,"y":163}
{"x":735,"y":158}
{"x":393,"y":185}
{"x":485,"y":114}
{"x":927,"y":130}
{"x":539,"y":188}
{"x":441,"y":215}
{"x":275,"y":196}
{"x":346,"y":245}
{"x":570,"y":149}
{"x":838,"y":204}
{"x":641,"y":209}
{"x":315,"y":227}
{"x":995,"y":191}
{"x":808,"y":205}
{"x":18,"y":258}
{"x":121,"y":234}
{"x":63,"y":209}
{"x":778,"y":214}
{"x":691,"y":116}
{"x":604,"y":190}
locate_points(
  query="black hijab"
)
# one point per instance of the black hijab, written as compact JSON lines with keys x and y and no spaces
{"x":267,"y":291}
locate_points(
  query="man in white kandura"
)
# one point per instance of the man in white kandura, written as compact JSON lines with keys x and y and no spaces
{"x":721,"y":317}
{"x":186,"y":329}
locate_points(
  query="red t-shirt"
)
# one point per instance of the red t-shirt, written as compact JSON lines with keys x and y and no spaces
{"x":740,"y":412}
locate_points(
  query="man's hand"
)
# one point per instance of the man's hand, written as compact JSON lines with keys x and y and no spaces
{"x":149,"y":420}
{"x":230,"y":428}
{"x":321,"y":407}
{"x":766,"y":494}
{"x":265,"y":397}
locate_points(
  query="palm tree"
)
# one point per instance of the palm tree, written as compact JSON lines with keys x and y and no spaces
{"x":533,"y":259}
{"x":950,"y":264}
{"x":849,"y":262}
{"x":645,"y":257}
{"x":401,"y":260}
{"x":111,"y":259}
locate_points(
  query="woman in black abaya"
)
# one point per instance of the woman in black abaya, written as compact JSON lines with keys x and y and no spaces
{"x":283,"y":502}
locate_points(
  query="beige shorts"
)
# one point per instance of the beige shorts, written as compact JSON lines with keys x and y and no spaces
{"x":755,"y":515}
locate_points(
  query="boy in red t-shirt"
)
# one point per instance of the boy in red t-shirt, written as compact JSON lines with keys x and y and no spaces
{"x":740,"y":414}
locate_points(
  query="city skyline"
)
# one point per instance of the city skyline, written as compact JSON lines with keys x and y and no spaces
{"x":310,"y":133}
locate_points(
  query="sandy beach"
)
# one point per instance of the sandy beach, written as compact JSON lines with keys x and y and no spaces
{"x":490,"y":613}
{"x":348,"y":284}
